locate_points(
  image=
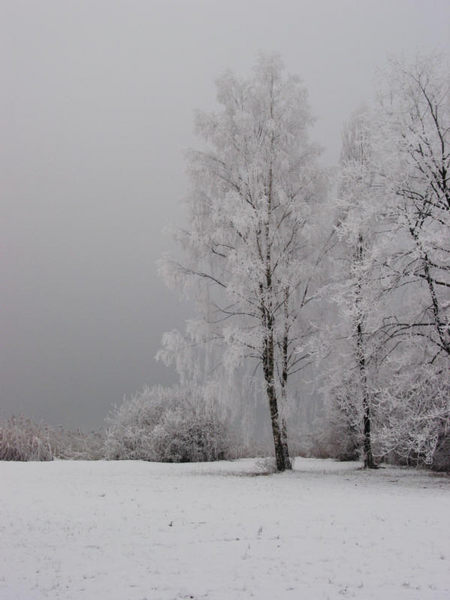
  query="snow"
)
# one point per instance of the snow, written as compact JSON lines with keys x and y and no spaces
{"x":218,"y":531}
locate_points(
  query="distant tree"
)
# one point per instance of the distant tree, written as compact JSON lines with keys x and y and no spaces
{"x":77,"y":445}
{"x":359,"y":204}
{"x":249,"y":247}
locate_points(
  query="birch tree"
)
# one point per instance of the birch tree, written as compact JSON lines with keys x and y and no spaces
{"x":248,"y":248}
{"x":395,"y":196}
{"x":359,"y":204}
{"x":414,"y":151}
{"x":414,"y":138}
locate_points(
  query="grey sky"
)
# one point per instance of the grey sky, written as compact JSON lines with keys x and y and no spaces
{"x":95,"y":112}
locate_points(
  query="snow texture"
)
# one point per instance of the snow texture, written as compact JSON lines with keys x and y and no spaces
{"x":222,"y":531}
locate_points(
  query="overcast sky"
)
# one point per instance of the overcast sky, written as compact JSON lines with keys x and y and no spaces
{"x":96,"y":107}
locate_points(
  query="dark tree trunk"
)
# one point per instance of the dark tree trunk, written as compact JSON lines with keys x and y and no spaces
{"x":369,"y":462}
{"x":283,"y":462}
{"x":284,"y":379}
{"x":284,"y":442}
{"x":280,"y":457}
{"x":279,"y":433}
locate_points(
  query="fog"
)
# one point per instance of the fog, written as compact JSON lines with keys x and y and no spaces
{"x":96,"y":111}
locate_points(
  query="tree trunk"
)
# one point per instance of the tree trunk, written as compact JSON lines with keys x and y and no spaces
{"x":284,"y":379}
{"x":279,"y":432}
{"x":284,"y":441}
{"x":283,"y":462}
{"x":280,"y":457}
{"x":369,"y":462}
{"x":436,"y":309}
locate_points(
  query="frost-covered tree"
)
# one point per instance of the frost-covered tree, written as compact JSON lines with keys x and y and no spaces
{"x":359,"y":205}
{"x":414,"y":142}
{"x":249,"y":245}
{"x":395,"y":211}
{"x":414,"y":151}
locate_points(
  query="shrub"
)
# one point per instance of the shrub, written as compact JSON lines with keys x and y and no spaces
{"x":414,"y":417}
{"x":181,"y":437}
{"x":165,"y":425}
{"x":23,"y":440}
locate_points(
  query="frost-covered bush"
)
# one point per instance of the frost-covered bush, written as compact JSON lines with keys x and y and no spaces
{"x":23,"y":440}
{"x":414,"y":416}
{"x":166,"y":425}
{"x":410,"y":417}
{"x":131,"y":424}
{"x":189,"y":437}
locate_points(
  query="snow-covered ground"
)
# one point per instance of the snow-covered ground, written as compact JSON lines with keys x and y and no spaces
{"x":135,"y":531}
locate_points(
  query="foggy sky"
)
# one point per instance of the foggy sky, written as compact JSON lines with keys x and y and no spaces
{"x":96,"y":110}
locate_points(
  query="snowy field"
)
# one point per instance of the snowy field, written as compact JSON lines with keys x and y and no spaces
{"x":135,"y":531}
